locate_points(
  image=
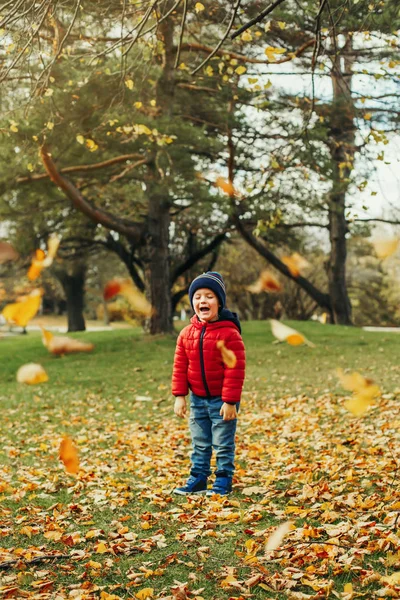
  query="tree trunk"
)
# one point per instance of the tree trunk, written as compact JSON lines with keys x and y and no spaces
{"x":73,"y":283}
{"x":342,"y":148}
{"x":157,"y":258}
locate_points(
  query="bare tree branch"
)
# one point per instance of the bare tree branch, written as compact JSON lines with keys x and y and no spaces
{"x":257,"y":19}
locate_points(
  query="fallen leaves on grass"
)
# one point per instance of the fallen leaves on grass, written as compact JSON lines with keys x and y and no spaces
{"x":284,"y":333}
{"x":32,"y":373}
{"x":276,"y":538}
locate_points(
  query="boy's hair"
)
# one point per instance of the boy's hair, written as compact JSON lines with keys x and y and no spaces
{"x":212,"y":281}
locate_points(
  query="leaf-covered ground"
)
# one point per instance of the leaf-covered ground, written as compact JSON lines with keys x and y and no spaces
{"x":117,"y":531}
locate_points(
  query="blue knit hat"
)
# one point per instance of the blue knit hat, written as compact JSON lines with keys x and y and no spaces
{"x":212,"y":281}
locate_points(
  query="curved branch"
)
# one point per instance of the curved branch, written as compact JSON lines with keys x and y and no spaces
{"x":322,"y":299}
{"x":133,"y":231}
{"x":196,"y":256}
{"x":92,"y":167}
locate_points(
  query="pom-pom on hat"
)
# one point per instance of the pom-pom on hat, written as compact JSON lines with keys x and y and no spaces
{"x":212,"y":281}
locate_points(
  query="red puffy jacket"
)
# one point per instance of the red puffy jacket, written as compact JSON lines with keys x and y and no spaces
{"x":198,"y":363}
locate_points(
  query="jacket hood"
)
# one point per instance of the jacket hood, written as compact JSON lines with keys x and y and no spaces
{"x":224,"y":316}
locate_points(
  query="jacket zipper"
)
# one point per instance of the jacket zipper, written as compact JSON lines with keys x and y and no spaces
{"x":203,"y":370}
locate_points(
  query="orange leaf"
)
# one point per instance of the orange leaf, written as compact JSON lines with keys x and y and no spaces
{"x":228,"y":356}
{"x":20,"y":313}
{"x":295,"y":263}
{"x":101,"y":548}
{"x":267,"y":282}
{"x":283,"y":333}
{"x":144,"y":593}
{"x":226,"y":186}
{"x":69,"y":455}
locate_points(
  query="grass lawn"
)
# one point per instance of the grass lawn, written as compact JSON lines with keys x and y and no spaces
{"x":116,"y":530}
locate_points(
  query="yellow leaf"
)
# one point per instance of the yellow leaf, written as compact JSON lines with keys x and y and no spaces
{"x":367,"y":116}
{"x":267,"y":282}
{"x":13,"y":127}
{"x":364,"y":391}
{"x":53,"y":535}
{"x":225,"y":186}
{"x":101,"y":548}
{"x":144,"y":593}
{"x":240,"y":70}
{"x":393,"y":579}
{"x":209,"y":71}
{"x":30,"y":167}
{"x":49,"y":92}
{"x":91,"y":144}
{"x":271,"y":52}
{"x":138,"y":104}
{"x":143,"y":129}
{"x":153,"y":103}
{"x":50,"y":125}
{"x":246,"y":36}
{"x":80,"y":139}
{"x":129,"y":84}
{"x":20,"y":313}
{"x":281,"y":24}
{"x":252,"y":79}
{"x":198,"y":7}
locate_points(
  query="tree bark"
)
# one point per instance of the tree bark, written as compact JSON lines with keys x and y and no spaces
{"x":342,"y":148}
{"x":73,"y":284}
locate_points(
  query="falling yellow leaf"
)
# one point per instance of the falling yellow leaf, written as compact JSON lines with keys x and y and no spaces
{"x":20,"y":313}
{"x":283,"y":333}
{"x":50,"y":125}
{"x":364,"y":391}
{"x":240,"y":70}
{"x":32,"y":373}
{"x":69,"y":455}
{"x":91,"y":144}
{"x":228,"y":356}
{"x":80,"y":139}
{"x":295,"y":263}
{"x":267,"y":282}
{"x":270,"y":52}
{"x":275,"y":539}
{"x":385,"y":247}
{"x":281,"y":24}
{"x":129,"y":84}
{"x":198,"y":7}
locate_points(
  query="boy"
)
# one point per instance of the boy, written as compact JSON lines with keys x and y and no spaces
{"x":215,"y":389}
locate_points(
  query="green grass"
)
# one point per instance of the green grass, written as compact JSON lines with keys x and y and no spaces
{"x":300,"y":456}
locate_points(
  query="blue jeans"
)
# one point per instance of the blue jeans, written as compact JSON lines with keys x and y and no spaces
{"x":208,"y":431}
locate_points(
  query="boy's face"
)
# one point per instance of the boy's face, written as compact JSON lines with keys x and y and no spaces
{"x":205,"y":304}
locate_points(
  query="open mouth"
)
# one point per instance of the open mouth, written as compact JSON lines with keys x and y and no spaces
{"x":204,"y":309}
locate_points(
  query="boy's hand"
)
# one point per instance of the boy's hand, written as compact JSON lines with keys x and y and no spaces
{"x":180,"y":406}
{"x":228,"y":412}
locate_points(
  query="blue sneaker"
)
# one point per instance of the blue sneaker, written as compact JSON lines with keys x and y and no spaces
{"x":196,"y":484}
{"x":222,"y":486}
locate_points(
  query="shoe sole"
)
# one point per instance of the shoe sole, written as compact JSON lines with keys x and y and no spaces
{"x":180,"y":493}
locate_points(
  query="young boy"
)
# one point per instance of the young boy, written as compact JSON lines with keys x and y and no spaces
{"x":215,"y":389}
